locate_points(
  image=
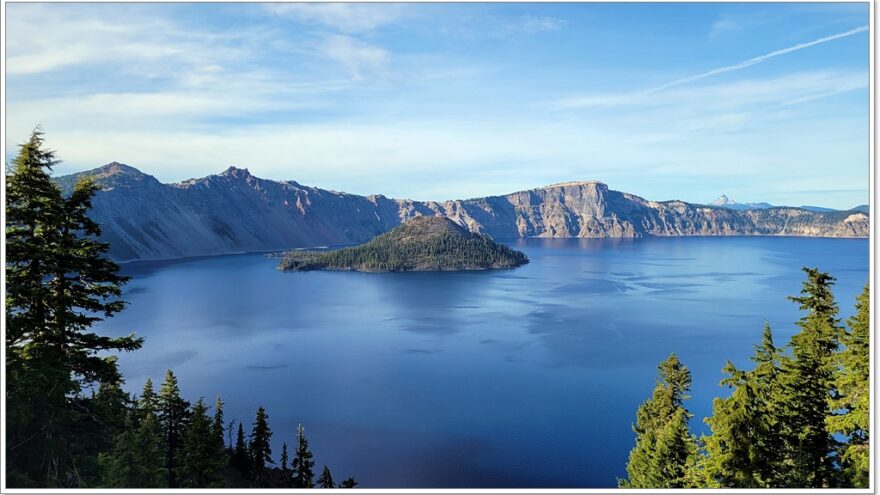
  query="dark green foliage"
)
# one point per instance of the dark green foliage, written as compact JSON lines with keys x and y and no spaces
{"x":303,"y":464}
{"x":148,"y":402}
{"x":69,"y":423}
{"x":57,"y":284}
{"x":172,"y":419}
{"x":348,"y":483}
{"x":286,"y":473}
{"x":217,"y":430}
{"x":137,"y":459}
{"x":744,"y":445}
{"x":202,"y":458}
{"x":852,"y":402}
{"x":665,"y":452}
{"x":241,"y":456}
{"x":326,"y":479}
{"x":259,"y":449}
{"x":806,"y":387}
{"x":774,"y":430}
{"x":423,"y":243}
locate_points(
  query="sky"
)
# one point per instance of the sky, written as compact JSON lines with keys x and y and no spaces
{"x":762,"y":102}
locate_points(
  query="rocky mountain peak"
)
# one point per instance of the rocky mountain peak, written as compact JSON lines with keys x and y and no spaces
{"x":236,"y":173}
{"x":723,"y":200}
{"x":117,"y":169}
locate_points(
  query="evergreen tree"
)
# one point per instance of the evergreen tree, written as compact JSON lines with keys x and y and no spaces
{"x":853,"y":400}
{"x":136,"y":460}
{"x":148,"y":402}
{"x":241,"y":456}
{"x":172,"y":418}
{"x":665,"y":452}
{"x":217,"y":426}
{"x":202,"y":458}
{"x":744,"y":445}
{"x":348,"y":483}
{"x":326,"y":479}
{"x":806,"y":387}
{"x":260,"y":451}
{"x":286,"y":474}
{"x":302,"y":463}
{"x":58,"y":284}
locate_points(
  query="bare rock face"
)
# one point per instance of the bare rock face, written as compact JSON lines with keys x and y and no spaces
{"x":237,"y":212}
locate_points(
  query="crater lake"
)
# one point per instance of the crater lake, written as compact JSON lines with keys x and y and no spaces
{"x":527,"y":377}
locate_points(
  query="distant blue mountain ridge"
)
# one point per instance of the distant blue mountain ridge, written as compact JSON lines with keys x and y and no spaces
{"x":725,"y":202}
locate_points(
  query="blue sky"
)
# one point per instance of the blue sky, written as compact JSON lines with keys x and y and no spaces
{"x":763,"y":102}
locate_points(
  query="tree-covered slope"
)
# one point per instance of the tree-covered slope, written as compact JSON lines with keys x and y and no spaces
{"x":425,"y":243}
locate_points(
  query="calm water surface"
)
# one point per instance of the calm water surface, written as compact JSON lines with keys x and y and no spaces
{"x":521,"y":378}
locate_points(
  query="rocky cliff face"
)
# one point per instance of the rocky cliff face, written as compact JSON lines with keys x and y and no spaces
{"x":235,"y":212}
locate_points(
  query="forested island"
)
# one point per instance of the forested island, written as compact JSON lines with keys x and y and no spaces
{"x":425,"y":243}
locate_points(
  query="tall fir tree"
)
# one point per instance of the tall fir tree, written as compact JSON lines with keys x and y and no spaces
{"x":665,"y":452}
{"x":259,"y":448}
{"x":241,"y":456}
{"x":286,"y":473}
{"x":806,"y":387}
{"x":303,"y":464}
{"x":58,"y":283}
{"x":136,"y":460}
{"x":852,"y":401}
{"x":148,"y":403}
{"x":326,"y":479}
{"x":742,"y":451}
{"x":202,"y":459}
{"x":172,"y":418}
{"x":217,"y":430}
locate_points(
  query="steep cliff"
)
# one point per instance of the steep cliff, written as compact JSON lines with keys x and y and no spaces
{"x":235,"y":212}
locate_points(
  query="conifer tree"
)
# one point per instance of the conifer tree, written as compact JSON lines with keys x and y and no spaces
{"x":172,"y":418}
{"x":58,"y":285}
{"x":111,"y":407}
{"x":326,"y":479}
{"x":260,"y":451}
{"x":806,"y":387}
{"x":202,"y":459}
{"x":148,"y":403}
{"x":241,"y":456}
{"x":217,"y":426}
{"x":665,"y":452}
{"x":853,"y":395}
{"x":744,"y":445}
{"x":348,"y":483}
{"x":286,"y":473}
{"x":136,"y":460}
{"x":303,"y":464}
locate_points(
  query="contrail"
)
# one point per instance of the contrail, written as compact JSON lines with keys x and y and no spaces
{"x":753,"y":61}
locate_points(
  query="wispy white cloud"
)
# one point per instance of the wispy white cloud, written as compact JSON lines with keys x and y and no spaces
{"x":743,"y":95}
{"x":756,"y":60}
{"x":724,"y":24}
{"x":531,"y":24}
{"x":125,"y":39}
{"x":358,"y":57}
{"x":344,"y":17}
{"x":641,"y":97}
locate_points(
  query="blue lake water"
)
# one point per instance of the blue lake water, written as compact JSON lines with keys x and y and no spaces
{"x":522,"y":378}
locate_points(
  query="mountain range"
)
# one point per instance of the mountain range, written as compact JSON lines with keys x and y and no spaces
{"x":234,"y":211}
{"x":726,"y":202}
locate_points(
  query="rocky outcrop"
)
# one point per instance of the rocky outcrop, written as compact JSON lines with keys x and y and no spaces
{"x":237,"y":212}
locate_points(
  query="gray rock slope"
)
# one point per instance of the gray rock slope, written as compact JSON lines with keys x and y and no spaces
{"x":234,"y":211}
